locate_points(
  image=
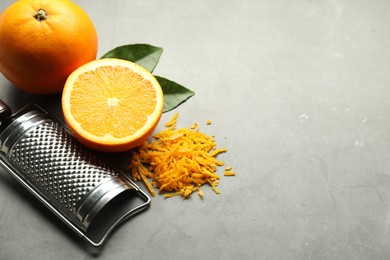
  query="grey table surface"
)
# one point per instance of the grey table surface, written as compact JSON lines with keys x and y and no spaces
{"x":298,"y":91}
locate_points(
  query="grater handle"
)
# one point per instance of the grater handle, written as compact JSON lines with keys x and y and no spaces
{"x":5,"y":110}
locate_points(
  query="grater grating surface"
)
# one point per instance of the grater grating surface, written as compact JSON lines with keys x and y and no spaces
{"x":59,"y":166}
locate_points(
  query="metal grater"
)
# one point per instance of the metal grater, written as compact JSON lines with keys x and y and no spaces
{"x":80,"y":187}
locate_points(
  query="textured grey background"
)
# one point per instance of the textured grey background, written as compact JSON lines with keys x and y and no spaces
{"x":298,"y":91}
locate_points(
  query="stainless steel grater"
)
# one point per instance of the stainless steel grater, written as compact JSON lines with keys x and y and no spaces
{"x":80,"y":187}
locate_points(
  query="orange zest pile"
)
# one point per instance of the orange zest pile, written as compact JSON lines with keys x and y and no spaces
{"x":178,"y":162}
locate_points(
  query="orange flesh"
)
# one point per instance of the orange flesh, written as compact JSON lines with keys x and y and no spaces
{"x":116,"y":103}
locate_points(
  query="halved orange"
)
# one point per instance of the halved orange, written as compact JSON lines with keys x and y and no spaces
{"x":112,"y":105}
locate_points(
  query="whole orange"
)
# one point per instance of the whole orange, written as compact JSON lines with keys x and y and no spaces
{"x":43,"y":41}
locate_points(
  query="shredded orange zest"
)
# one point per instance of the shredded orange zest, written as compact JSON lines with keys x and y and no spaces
{"x":172,"y":122}
{"x":195,"y":127}
{"x":178,"y":161}
{"x":144,"y":175}
{"x":229,"y":173}
{"x":200,"y":193}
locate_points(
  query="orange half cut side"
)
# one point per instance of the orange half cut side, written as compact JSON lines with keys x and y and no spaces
{"x":112,"y":105}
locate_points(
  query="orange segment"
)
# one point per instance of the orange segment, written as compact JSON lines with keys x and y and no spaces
{"x":112,"y":105}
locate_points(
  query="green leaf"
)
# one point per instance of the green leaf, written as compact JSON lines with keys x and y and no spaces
{"x":145,"y":55}
{"x":174,"y":93}
{"x":148,"y":56}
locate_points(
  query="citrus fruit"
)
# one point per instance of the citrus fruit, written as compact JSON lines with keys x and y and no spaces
{"x":43,"y":41}
{"x":112,"y":105}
